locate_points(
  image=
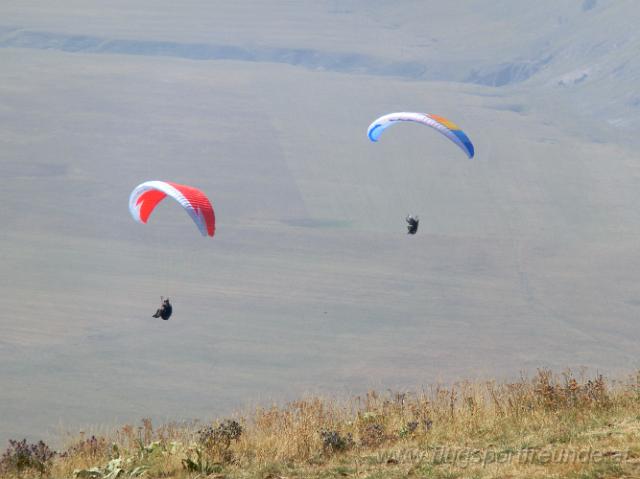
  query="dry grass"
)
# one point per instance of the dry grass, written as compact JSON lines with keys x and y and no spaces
{"x":545,"y":426}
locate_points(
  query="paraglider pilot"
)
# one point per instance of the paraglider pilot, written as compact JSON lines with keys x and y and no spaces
{"x":165,"y":310}
{"x":412,"y":224}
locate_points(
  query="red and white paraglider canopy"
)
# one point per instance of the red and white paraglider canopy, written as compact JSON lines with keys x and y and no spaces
{"x":146,"y":196}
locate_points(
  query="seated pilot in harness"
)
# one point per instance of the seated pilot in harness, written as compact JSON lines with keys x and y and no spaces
{"x":165,"y":310}
{"x":412,"y":224}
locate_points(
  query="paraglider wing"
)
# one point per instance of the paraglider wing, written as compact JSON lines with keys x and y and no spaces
{"x":444,"y":126}
{"x":146,"y":196}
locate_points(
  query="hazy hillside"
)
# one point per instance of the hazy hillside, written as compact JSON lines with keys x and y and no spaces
{"x":526,"y":257}
{"x":583,"y":52}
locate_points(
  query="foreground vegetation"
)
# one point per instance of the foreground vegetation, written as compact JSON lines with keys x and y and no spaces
{"x":545,"y":426}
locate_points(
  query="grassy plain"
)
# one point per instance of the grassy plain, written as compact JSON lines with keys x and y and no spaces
{"x":550,"y":425}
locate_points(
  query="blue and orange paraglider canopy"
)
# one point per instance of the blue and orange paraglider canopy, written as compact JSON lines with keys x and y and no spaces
{"x":439,"y":123}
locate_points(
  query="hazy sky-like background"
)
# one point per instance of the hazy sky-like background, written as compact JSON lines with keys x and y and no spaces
{"x":527,"y":256}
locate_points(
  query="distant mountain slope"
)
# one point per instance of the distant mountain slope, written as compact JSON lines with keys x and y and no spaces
{"x":582,"y":55}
